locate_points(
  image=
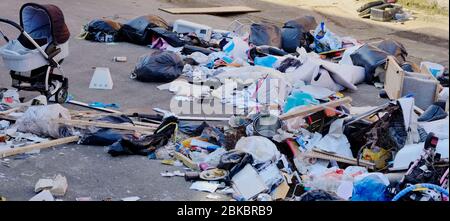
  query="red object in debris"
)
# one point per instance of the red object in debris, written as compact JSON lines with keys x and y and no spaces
{"x":9,"y":100}
{"x":391,"y":1}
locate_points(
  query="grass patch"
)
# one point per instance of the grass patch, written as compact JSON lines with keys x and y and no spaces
{"x":423,"y":5}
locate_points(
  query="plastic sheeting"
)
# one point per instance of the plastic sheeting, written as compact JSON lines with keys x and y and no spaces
{"x":39,"y":120}
{"x":262,"y":149}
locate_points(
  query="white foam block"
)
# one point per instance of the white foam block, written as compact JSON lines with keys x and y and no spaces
{"x":101,"y":79}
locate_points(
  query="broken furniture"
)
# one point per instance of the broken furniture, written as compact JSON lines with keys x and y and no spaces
{"x":398,"y":83}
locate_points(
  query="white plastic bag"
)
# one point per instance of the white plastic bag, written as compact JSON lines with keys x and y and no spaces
{"x":237,"y":48}
{"x":325,"y":40}
{"x":261,"y":148}
{"x":39,"y":120}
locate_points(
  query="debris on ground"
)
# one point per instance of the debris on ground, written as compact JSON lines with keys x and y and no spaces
{"x":292,"y":134}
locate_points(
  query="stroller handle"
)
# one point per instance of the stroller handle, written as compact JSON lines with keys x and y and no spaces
{"x":12,"y":24}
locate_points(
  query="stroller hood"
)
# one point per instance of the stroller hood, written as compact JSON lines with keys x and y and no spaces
{"x":44,"y":22}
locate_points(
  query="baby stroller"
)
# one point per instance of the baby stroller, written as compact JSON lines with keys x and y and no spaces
{"x":40,"y":49}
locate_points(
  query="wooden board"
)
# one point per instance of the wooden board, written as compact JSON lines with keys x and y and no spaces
{"x":106,"y":125}
{"x":79,"y":103}
{"x":211,"y":10}
{"x":310,"y":109}
{"x":43,"y":145}
{"x":317,"y":153}
{"x":393,"y":82}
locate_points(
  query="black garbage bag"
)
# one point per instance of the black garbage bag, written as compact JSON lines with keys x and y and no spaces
{"x":265,"y":34}
{"x":102,"y":137}
{"x":102,"y":30}
{"x":296,"y":33}
{"x":169,"y":36}
{"x":159,"y":66}
{"x":192,"y":129}
{"x":137,"y":30}
{"x":395,"y":49}
{"x":369,"y":57}
{"x":116,"y":119}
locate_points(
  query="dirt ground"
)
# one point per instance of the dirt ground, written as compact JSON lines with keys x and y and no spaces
{"x":90,"y":171}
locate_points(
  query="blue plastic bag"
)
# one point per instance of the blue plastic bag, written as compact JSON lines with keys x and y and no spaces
{"x":370,"y":188}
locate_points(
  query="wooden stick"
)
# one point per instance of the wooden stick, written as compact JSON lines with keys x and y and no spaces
{"x":9,"y":111}
{"x":317,"y":153}
{"x":105,"y":125}
{"x":186,"y":161}
{"x":43,"y":145}
{"x":79,"y":103}
{"x":304,"y":111}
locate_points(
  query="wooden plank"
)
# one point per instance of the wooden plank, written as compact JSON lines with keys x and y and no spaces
{"x":79,"y":103}
{"x":211,"y":10}
{"x":43,"y":145}
{"x":9,"y":111}
{"x":310,"y":109}
{"x":393,"y":82}
{"x":186,"y":161}
{"x":316,"y":153}
{"x":105,"y":125}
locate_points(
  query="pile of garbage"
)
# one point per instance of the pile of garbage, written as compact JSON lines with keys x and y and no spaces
{"x":293,"y":135}
{"x":384,"y":11}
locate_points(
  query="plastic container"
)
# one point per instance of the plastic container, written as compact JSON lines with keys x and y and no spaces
{"x":202,"y":31}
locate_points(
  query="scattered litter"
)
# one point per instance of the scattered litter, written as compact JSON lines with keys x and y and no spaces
{"x":213,"y":196}
{"x":205,"y":186}
{"x":131,"y":198}
{"x":44,"y":195}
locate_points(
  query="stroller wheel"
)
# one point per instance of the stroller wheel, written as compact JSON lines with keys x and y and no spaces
{"x":61,"y":95}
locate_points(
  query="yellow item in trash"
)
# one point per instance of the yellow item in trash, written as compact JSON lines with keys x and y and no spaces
{"x":379,"y":156}
{"x":187,"y":143}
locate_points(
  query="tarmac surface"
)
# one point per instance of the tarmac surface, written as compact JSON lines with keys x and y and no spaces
{"x":90,"y":171}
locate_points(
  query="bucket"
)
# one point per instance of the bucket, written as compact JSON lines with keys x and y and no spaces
{"x":266,"y":125}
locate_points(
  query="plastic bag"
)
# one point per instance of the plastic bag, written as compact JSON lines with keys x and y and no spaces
{"x":158,"y":67}
{"x":39,"y":120}
{"x":236,"y":48}
{"x":137,"y":30}
{"x":370,"y":187}
{"x":266,"y":61}
{"x":265,"y":34}
{"x":295,"y":33}
{"x":298,"y":98}
{"x":325,"y":40}
{"x":102,"y":30}
{"x":261,"y":148}
{"x":102,"y":137}
{"x":10,"y":97}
